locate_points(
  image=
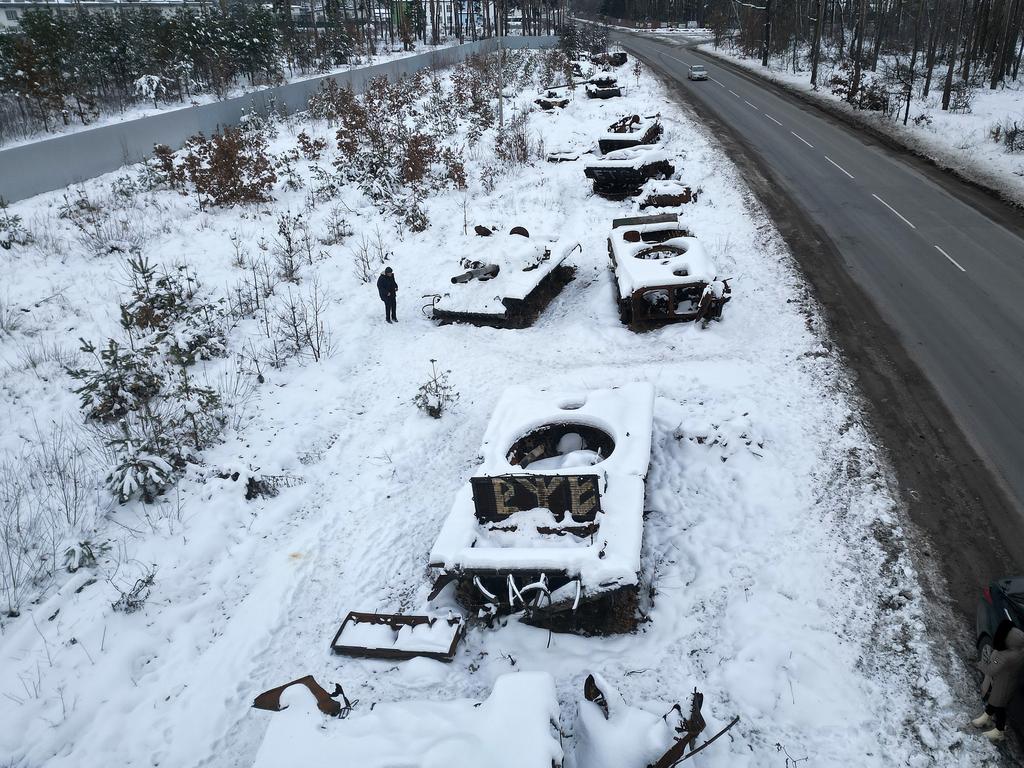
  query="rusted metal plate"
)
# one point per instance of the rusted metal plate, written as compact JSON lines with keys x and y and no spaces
{"x":633,"y":221}
{"x":497,"y":498}
{"x":396,"y":622}
{"x":271,"y":700}
{"x":669,"y":200}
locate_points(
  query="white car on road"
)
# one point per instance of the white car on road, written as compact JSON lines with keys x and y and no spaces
{"x":697,"y":72}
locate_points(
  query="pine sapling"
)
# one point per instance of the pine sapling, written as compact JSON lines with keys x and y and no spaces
{"x":438,"y":394}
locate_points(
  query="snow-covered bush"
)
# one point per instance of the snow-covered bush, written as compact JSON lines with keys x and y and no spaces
{"x":292,"y":246}
{"x":437,"y":394}
{"x":120,"y":381}
{"x":1010,"y":134}
{"x":160,"y":171}
{"x":150,"y":88}
{"x":106,"y":225}
{"x":229,"y":168}
{"x":554,"y":67}
{"x":336,"y":227}
{"x":331,"y":102}
{"x":286,"y":167}
{"x":83,"y":554}
{"x":512,"y":142}
{"x":147,"y":449}
{"x":310,"y":148}
{"x":302,"y":325}
{"x":47,"y":500}
{"x":135,"y":597}
{"x":23,"y":535}
{"x":9,"y":317}
{"x":172,"y":311}
{"x":387,"y":145}
{"x":961,"y":97}
{"x":369,"y":255}
{"x":12,"y":230}
{"x":151,"y":417}
{"x":124,"y":188}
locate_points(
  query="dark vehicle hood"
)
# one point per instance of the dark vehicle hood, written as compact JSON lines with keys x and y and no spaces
{"x":1014,"y":591}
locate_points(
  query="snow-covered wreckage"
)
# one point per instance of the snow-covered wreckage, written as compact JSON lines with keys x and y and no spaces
{"x":630,"y":131}
{"x":460,"y":733}
{"x":662,"y":273}
{"x":398,"y":637}
{"x":551,"y":523}
{"x":623,"y":172}
{"x":603,"y":87}
{"x":502,"y":280}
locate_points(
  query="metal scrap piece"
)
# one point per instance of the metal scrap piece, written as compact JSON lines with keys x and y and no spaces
{"x":325,"y":702}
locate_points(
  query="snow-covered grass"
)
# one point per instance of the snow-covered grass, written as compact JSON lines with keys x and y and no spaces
{"x":961,"y":141}
{"x":782,"y":586}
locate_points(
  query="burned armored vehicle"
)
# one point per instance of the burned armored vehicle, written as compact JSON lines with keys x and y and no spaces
{"x":630,"y":131}
{"x":550,"y":525}
{"x":662,"y":273}
{"x":603,"y":87}
{"x":623,"y":172}
{"x":501,"y":280}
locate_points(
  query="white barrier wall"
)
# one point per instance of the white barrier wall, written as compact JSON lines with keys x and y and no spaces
{"x":54,"y":163}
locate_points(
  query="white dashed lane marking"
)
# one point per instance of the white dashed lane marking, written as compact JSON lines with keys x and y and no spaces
{"x":805,"y":141}
{"x":905,"y":219}
{"x":953,"y":261}
{"x":837,"y":165}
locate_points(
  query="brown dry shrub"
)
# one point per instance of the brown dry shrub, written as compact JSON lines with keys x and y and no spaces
{"x":229,"y":168}
{"x":310,"y":148}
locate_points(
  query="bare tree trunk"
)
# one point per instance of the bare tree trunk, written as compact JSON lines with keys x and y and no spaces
{"x":1020,"y":54}
{"x":883,"y":17}
{"x":948,"y":87}
{"x":933,"y":39}
{"x":816,"y":47}
{"x":767,"y":33}
{"x":1006,"y":45}
{"x":913,"y":59}
{"x":855,"y":82}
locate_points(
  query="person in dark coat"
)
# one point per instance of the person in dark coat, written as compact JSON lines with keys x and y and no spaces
{"x":1002,"y":671}
{"x":388,"y":290}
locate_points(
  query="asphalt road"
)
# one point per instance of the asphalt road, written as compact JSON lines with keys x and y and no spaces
{"x":921,"y":277}
{"x":943,"y":272}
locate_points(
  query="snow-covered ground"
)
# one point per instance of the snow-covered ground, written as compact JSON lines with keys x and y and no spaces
{"x":775,"y":552}
{"x":961,"y":141}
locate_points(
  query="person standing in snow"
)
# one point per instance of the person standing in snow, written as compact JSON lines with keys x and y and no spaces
{"x":1002,"y":671}
{"x":388,"y":290}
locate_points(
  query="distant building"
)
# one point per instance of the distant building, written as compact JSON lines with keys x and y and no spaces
{"x":11,"y":11}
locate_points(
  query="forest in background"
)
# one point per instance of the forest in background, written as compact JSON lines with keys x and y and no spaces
{"x":71,"y":67}
{"x":913,"y":47}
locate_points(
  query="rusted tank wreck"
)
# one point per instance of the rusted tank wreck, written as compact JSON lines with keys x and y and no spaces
{"x":662,"y":273}
{"x":501,"y":280}
{"x":551,"y":523}
{"x":630,"y":131}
